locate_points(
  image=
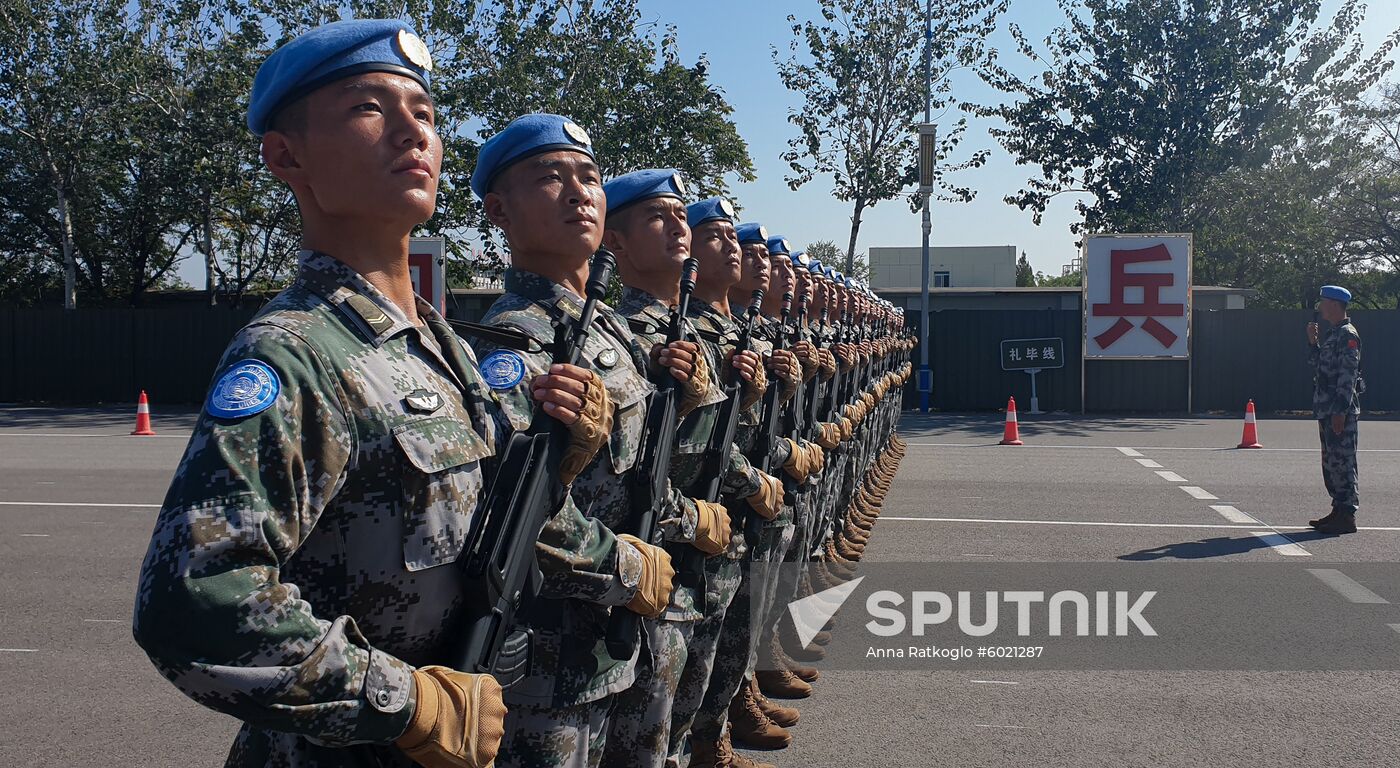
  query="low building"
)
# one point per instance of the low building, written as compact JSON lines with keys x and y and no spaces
{"x":1203,"y":297}
{"x":950,"y":266}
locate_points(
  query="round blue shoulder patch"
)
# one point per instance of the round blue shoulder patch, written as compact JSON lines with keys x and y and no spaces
{"x":246,"y":388}
{"x":503,"y":369}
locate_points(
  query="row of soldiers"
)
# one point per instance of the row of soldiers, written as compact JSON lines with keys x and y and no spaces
{"x":378,"y":551}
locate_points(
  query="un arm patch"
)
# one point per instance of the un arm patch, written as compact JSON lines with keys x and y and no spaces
{"x":248,"y":387}
{"x":503,"y":369}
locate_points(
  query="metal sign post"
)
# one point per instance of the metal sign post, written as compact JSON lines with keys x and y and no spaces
{"x":1032,"y":356}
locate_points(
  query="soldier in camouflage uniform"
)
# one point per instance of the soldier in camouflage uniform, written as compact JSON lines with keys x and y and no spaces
{"x":716,"y":248}
{"x":540,"y":185}
{"x":647,"y":229}
{"x":1336,"y":362}
{"x":310,"y":530}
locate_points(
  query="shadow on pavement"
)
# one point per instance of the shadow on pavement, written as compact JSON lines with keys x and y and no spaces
{"x":1218,"y":546}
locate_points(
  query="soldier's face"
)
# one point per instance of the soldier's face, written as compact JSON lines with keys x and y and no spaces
{"x":550,"y":206}
{"x":804,"y":285}
{"x":1331,"y":310}
{"x":716,"y":247}
{"x":368,"y":152}
{"x":755,"y":268}
{"x":782,"y":279}
{"x":652,"y":236}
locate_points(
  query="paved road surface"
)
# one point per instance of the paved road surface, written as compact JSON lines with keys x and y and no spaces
{"x":78,"y":496}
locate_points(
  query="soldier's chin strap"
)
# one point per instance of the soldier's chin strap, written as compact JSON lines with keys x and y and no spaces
{"x":503,"y":337}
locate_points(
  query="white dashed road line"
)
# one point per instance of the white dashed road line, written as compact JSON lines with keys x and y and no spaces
{"x":1255,"y":524}
{"x":993,"y":682}
{"x":1129,"y":452}
{"x":1149,"y":463}
{"x":1198,"y":492}
{"x":1170,"y":477}
{"x":19,"y":650}
{"x":75,"y":504}
{"x":1233,"y":515}
{"x":1347,"y":587}
{"x":34,"y":535}
{"x":1282,"y":544}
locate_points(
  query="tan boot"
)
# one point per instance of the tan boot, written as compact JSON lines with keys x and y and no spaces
{"x":785,"y":717}
{"x":711,"y":754}
{"x":804,"y":673}
{"x":822,"y":638}
{"x":782,"y":684}
{"x":750,"y":727}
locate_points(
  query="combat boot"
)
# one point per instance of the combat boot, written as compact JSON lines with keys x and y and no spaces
{"x":785,"y":717}
{"x":777,"y":680}
{"x":1330,"y":516}
{"x":1344,"y":522}
{"x":789,"y":643}
{"x":720,"y":754}
{"x":750,"y":727}
{"x":804,"y":673}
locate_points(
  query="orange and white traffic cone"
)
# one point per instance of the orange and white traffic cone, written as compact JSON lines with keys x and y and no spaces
{"x":1012,"y":435}
{"x":143,"y":416}
{"x":1251,"y":432}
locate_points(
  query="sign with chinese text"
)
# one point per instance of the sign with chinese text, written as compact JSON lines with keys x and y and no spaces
{"x":1137,"y":296}
{"x":1027,"y":354}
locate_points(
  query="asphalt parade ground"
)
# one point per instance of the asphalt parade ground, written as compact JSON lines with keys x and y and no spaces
{"x":78,"y":498}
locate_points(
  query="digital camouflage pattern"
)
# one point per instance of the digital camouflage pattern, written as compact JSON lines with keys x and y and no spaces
{"x":571,"y":664}
{"x":312,"y":543}
{"x":1336,"y":361}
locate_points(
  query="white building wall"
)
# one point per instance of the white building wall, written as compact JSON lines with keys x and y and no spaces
{"x":968,"y":266}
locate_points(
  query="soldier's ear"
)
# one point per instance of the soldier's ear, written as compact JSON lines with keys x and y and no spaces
{"x":496,"y":210}
{"x":281,"y":154}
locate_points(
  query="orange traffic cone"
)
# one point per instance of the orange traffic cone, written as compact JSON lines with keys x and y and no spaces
{"x":1012,"y":435}
{"x":143,"y":417}
{"x":1251,"y":433}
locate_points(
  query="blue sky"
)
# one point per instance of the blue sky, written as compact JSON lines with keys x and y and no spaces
{"x":738,"y":36}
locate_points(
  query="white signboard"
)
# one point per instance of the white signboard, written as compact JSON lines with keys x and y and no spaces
{"x":1137,"y":296}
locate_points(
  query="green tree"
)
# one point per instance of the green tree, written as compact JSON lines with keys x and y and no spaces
{"x":1025,"y":276}
{"x":1141,"y":103}
{"x":828,"y":252}
{"x":860,"y":74}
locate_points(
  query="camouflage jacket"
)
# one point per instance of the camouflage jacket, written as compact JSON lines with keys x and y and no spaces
{"x":310,"y":529}
{"x":650,"y":320}
{"x":740,"y":477}
{"x":1336,"y":362}
{"x":571,"y":664}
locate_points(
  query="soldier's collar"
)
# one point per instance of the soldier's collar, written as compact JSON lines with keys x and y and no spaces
{"x":536,"y":287}
{"x":369,"y":310}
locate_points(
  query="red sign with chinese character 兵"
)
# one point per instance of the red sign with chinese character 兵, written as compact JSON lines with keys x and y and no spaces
{"x":1137,"y":296}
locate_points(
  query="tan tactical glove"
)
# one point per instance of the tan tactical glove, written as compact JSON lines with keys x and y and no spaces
{"x":588,"y":434}
{"x":654,"y":591}
{"x":754,"y":390}
{"x":848,"y":358}
{"x":459,"y":721}
{"x":807,"y":355}
{"x":695,"y":389}
{"x":852,"y":413}
{"x":798,"y":464}
{"x":711,"y":527}
{"x":827,"y":363}
{"x":828,"y":435}
{"x":816,"y":458}
{"x":847,"y":428}
{"x":793,"y":379}
{"x":769,"y":499}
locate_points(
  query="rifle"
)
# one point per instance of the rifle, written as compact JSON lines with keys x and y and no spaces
{"x":651,"y":477}
{"x":793,"y":424}
{"x":767,"y":443}
{"x":814,"y":404}
{"x":523,"y":494}
{"x":727,"y":424}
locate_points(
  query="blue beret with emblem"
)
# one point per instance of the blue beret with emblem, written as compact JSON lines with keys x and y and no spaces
{"x":752,"y":232}
{"x":503,"y":369}
{"x":815,"y":267}
{"x":1335,"y":292}
{"x":777,"y":244}
{"x":525,"y":137}
{"x":799,"y":259}
{"x":246,"y":388}
{"x":839,"y":278}
{"x":333,"y":52}
{"x":710,"y":209}
{"x":849,"y":283}
{"x":637,"y":186}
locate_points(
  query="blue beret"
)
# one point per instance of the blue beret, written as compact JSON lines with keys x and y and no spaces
{"x":838,"y":277}
{"x":637,"y":186}
{"x":712,"y":209}
{"x":526,"y":136}
{"x":333,"y":52}
{"x":849,"y":282}
{"x":752,"y":232}
{"x":799,"y":259}
{"x":815,"y":267}
{"x":779,"y":244}
{"x":1336,"y":292}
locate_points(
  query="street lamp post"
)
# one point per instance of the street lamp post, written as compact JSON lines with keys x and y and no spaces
{"x":928,"y":139}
